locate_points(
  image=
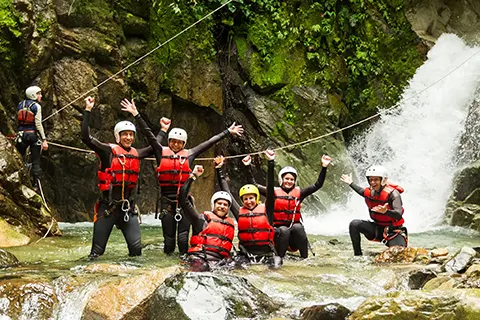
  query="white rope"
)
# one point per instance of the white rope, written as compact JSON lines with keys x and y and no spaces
{"x":136,"y":61}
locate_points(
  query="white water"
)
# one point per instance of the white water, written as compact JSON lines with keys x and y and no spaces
{"x":417,"y":141}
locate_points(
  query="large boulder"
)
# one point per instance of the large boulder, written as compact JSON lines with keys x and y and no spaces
{"x":449,"y":304}
{"x":209,"y":296}
{"x":461,"y":261}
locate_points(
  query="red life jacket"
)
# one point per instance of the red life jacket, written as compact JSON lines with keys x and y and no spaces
{"x":216,"y":237}
{"x":286,"y":209}
{"x":381,"y":199}
{"x":174,"y":168}
{"x":25,"y":116}
{"x":123,"y":170}
{"x":254,"y":228}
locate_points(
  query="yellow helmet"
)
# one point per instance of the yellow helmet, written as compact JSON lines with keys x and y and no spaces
{"x":249,"y":189}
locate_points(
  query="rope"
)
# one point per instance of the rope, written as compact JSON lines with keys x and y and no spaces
{"x":137,"y":61}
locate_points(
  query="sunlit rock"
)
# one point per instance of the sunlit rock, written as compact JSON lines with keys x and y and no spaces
{"x":438,"y":252}
{"x":125,"y":298}
{"x":447,"y":304}
{"x":397,"y":254}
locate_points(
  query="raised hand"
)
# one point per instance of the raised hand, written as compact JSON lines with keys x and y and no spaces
{"x":165,"y":124}
{"x":198,"y":170}
{"x":89,"y":103}
{"x":347,"y":178}
{"x":247,"y":160}
{"x":326,"y":160}
{"x":129,"y":107}
{"x":270,"y":154}
{"x":235,"y":129}
{"x":219,"y":161}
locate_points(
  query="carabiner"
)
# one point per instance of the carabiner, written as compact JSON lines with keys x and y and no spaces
{"x":123,"y":205}
{"x":178,"y":217}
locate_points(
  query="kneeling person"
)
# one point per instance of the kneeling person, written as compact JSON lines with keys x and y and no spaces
{"x":213,"y":231}
{"x":385,"y":207}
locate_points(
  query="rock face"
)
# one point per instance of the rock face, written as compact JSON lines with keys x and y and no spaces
{"x":22,"y":214}
{"x":332,"y":311}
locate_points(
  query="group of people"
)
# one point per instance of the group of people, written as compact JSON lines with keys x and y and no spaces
{"x":265,"y":231}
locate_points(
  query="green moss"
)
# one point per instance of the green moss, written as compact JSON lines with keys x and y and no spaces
{"x":9,"y":31}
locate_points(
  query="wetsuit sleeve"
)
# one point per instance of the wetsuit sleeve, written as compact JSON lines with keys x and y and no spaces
{"x":314,"y":187}
{"x":162,"y":138}
{"x":204,"y":146}
{"x":251,"y":179}
{"x":222,"y":181}
{"x":269,"y":204}
{"x":102,"y":149}
{"x":38,"y":122}
{"x":395,"y":202}
{"x":357,"y":189}
{"x":152,"y":139}
{"x":188,"y":207}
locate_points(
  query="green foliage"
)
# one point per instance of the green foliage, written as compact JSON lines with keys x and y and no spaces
{"x":9,"y":30}
{"x":363,"y":50}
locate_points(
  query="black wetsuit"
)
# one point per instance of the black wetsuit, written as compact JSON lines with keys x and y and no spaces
{"x":199,"y":261}
{"x":254,"y":253}
{"x":374,"y":231}
{"x":104,"y":222}
{"x":31,"y":135}
{"x":169,"y":194}
{"x":293,"y":236}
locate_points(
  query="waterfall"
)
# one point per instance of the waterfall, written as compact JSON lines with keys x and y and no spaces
{"x":417,"y":141}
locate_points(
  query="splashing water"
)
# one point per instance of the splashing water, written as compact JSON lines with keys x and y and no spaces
{"x":417,"y":141}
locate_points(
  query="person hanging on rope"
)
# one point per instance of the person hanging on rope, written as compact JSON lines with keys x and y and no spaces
{"x":385,"y":208}
{"x":289,"y":231}
{"x":212,"y":231}
{"x":118,"y":176}
{"x":30,"y":131}
{"x":173,"y":169}
{"x":255,"y":220}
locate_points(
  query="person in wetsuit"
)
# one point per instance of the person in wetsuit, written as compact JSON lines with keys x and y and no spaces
{"x":212,"y":231}
{"x":117,"y":180}
{"x":173,"y":169}
{"x":287,"y":219}
{"x":30,"y":130}
{"x":385,"y":208}
{"x":255,"y":220}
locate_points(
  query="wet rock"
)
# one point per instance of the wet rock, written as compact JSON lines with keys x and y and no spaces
{"x":438,"y":252}
{"x":418,"y":278}
{"x":466,"y":181}
{"x":462,"y":217}
{"x":436,"y":283}
{"x":448,"y":304}
{"x":27,"y":299}
{"x":461,"y":261}
{"x":7,"y":259}
{"x":331,"y":311}
{"x":125,"y":298}
{"x":209,"y":296}
{"x":397,"y":254}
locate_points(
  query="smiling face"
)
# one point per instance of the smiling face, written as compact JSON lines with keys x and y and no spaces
{"x":175,"y":145}
{"x":288,"y":181}
{"x":127,"y":138}
{"x":249,"y":200}
{"x":375,"y":183}
{"x":220,"y":207}
{"x":39,"y":96}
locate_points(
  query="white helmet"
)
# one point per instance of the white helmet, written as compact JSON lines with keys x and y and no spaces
{"x":31,"y":92}
{"x":286,"y":170}
{"x":179,"y":134}
{"x":378,"y":171}
{"x":123,"y":126}
{"x":221,"y":195}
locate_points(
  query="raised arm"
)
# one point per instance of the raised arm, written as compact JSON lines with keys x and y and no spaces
{"x":102,"y":149}
{"x":188,"y":208}
{"x":222,"y":181}
{"x":305,"y":192}
{"x":269,"y":204}
{"x":347,"y":178}
{"x":250,"y":178}
{"x":204,"y":146}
